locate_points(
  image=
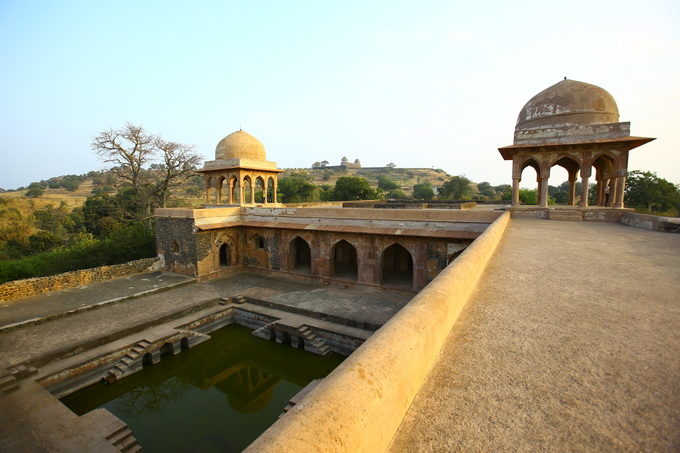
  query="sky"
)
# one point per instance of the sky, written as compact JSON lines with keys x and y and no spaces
{"x":427,"y":84}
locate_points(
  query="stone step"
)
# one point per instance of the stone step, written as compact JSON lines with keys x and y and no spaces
{"x":573,"y":216}
{"x":124,"y":440}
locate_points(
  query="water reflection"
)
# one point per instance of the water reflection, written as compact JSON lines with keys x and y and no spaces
{"x":220,"y":394}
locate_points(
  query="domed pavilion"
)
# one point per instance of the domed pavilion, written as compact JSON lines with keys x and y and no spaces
{"x":574,"y":125}
{"x":241,"y":167}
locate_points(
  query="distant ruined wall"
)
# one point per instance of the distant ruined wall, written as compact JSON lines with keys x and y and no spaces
{"x":33,"y":286}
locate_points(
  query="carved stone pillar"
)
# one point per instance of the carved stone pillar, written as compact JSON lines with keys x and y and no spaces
{"x":583,"y":203}
{"x":620,"y":186}
{"x":543,"y":201}
{"x":515,"y":192}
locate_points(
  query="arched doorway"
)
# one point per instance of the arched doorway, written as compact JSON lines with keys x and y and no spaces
{"x":396,"y":266}
{"x":344,"y":260}
{"x":225,"y":255}
{"x":300,"y":256}
{"x":530,"y":196}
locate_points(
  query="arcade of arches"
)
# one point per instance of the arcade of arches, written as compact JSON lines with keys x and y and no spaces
{"x":366,"y":259}
{"x":240,"y":187}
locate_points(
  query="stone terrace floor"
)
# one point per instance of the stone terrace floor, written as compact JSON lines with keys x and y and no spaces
{"x":570,"y":343}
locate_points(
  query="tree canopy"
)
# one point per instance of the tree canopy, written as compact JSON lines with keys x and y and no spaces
{"x":423,"y":191}
{"x":645,"y":190}
{"x":351,"y":188}
{"x":297,"y":188}
{"x":455,"y":188}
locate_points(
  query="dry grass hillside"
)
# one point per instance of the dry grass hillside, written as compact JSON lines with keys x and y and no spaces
{"x":186,"y":197}
{"x":405,"y":177}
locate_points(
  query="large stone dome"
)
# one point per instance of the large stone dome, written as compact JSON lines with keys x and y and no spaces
{"x":241,"y":145}
{"x":568,"y":103}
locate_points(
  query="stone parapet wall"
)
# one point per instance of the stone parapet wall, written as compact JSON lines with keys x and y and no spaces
{"x":374,"y":387}
{"x":651,"y":222}
{"x":33,"y":286}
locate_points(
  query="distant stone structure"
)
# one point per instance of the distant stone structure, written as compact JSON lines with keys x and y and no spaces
{"x":241,"y":163}
{"x":345,"y":164}
{"x":574,"y":125}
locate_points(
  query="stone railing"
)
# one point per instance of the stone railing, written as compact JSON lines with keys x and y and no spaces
{"x":17,"y":289}
{"x":359,"y":406}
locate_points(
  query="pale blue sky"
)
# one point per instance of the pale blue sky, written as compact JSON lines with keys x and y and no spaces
{"x":418,"y":83}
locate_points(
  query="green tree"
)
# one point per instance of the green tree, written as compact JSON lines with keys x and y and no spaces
{"x":396,"y":194}
{"x":297,"y":188}
{"x":485,"y":189}
{"x":423,"y":191}
{"x":528,"y":196}
{"x":350,"y":188}
{"x":35,"y":190}
{"x":646,"y":191}
{"x":455,"y":188}
{"x":387,"y":184}
{"x":561,"y":197}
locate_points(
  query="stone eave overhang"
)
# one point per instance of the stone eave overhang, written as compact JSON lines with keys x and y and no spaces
{"x":240,"y":167}
{"x":413,"y":232}
{"x":624,"y":143}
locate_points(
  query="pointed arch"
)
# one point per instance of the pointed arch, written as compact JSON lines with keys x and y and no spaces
{"x":259,"y":188}
{"x":344,"y":260}
{"x":236,"y":193}
{"x":248,"y":190}
{"x":271,"y":188}
{"x":396,"y":266}
{"x":299,"y":256}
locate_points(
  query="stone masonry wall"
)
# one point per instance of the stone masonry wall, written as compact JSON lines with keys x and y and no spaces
{"x":32,"y":286}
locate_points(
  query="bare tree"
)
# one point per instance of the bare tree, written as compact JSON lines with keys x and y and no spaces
{"x":179,"y":163}
{"x":146,"y":163}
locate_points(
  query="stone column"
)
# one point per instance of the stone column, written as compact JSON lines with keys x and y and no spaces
{"x":543,"y":201}
{"x":584,"y":192}
{"x":599,"y":193}
{"x":620,"y":186}
{"x":207,"y":190}
{"x":572,"y":191}
{"x":275,"y":189}
{"x":231,"y":193}
{"x":220,"y":183}
{"x":613,"y":184}
{"x":252,"y":192}
{"x":515,"y":192}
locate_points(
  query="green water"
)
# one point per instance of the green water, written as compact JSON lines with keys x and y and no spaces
{"x":215,"y":397}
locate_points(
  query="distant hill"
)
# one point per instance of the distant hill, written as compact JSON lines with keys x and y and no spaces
{"x":191,"y":194}
{"x":405,"y":177}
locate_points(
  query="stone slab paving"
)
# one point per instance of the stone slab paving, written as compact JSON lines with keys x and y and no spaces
{"x":64,"y":335}
{"x":570,"y":343}
{"x":44,"y":306}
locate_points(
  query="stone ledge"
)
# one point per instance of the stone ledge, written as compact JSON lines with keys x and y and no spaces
{"x":380,"y":379}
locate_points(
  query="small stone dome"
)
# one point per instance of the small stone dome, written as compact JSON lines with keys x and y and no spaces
{"x":240,"y":144}
{"x":568,"y":103}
